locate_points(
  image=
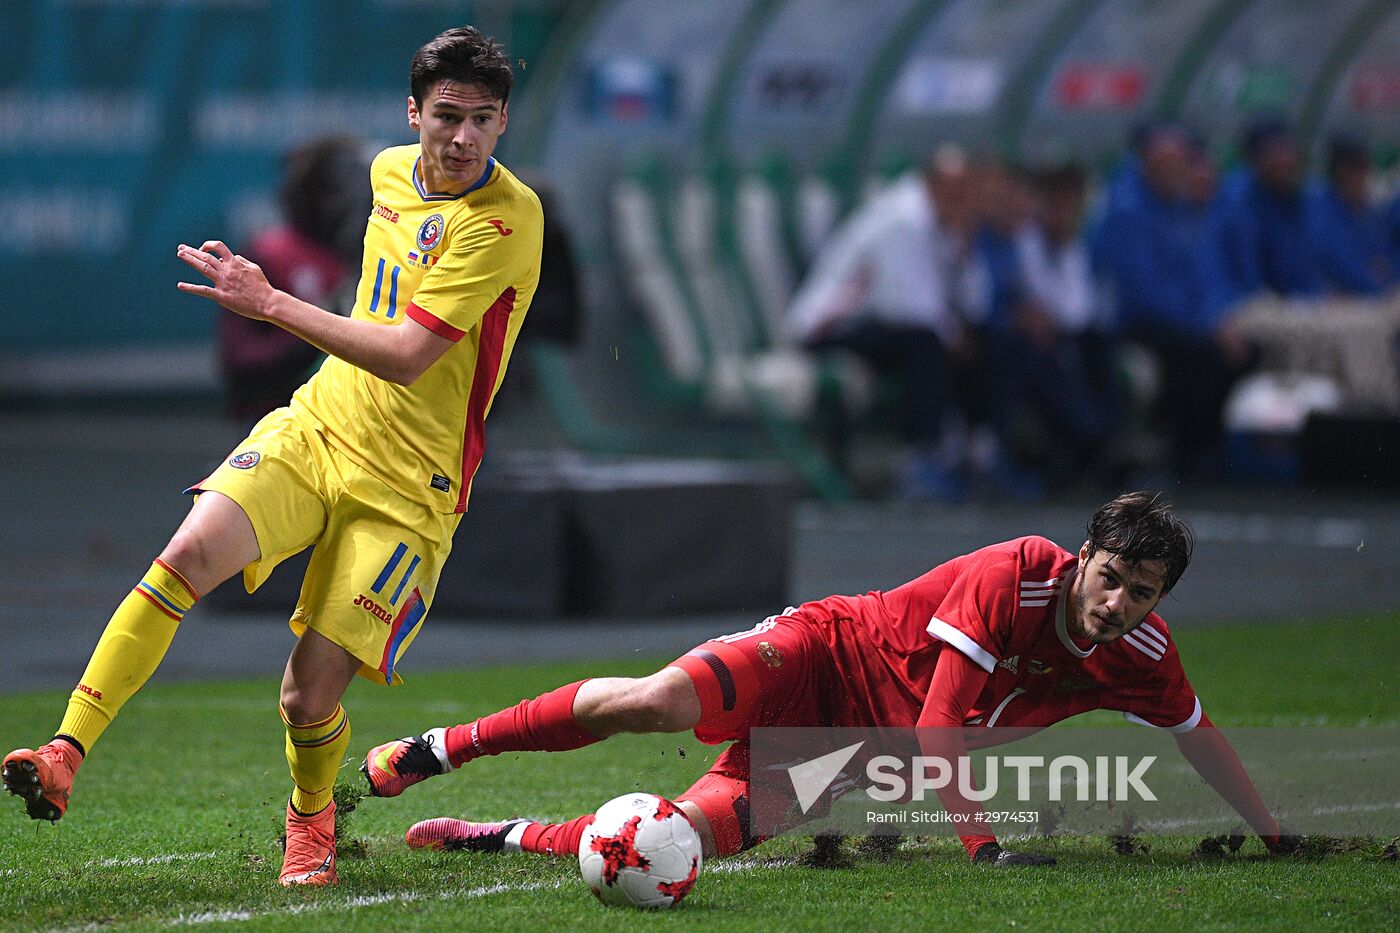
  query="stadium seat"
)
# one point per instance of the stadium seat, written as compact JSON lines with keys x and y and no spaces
{"x":761,"y":232}
{"x":714,"y":336}
{"x":641,"y":241}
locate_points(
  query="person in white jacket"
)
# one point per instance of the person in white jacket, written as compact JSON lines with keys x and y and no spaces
{"x":883,"y":287}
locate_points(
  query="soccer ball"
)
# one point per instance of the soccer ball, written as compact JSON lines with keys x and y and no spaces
{"x":640,"y":850}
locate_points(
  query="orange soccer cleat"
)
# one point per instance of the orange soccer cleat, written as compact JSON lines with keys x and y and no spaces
{"x":43,"y":777}
{"x":309,"y":853}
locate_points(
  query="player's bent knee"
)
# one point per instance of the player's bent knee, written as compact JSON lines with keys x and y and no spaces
{"x":294,"y":708}
{"x":300,"y":707}
{"x":195,"y":558}
{"x":186,"y":554}
{"x":667,"y":702}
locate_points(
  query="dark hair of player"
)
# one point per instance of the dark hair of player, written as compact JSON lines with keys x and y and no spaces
{"x":463,"y":55}
{"x":1139,"y":526}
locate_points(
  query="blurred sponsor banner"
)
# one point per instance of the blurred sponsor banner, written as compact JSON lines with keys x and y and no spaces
{"x":940,"y":85}
{"x":631,"y":90}
{"x":1069,"y":781}
{"x":1100,"y":86}
{"x":797,"y":86}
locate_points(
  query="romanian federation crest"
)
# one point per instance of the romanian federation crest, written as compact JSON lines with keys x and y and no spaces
{"x":430,"y":233}
{"x":245,"y":461}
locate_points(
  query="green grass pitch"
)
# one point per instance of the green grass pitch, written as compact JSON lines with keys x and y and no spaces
{"x":175,"y":817}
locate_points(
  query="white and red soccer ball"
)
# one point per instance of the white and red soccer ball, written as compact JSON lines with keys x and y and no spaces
{"x":641,"y":851}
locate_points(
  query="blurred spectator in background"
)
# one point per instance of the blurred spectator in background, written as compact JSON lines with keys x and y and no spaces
{"x":1349,"y":231}
{"x":1124,"y":183}
{"x":1070,"y":358}
{"x":1159,"y":246}
{"x":989,"y":292}
{"x":1267,"y":232}
{"x":880,"y":288}
{"x":325,"y":197}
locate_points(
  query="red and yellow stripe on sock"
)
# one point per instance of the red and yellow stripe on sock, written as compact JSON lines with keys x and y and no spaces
{"x":314,"y":753}
{"x":164,"y":588}
{"x":131,"y":647}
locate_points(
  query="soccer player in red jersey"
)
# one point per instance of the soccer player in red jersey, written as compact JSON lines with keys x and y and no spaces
{"x":1018,"y":634}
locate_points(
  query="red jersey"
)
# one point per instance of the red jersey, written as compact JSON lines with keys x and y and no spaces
{"x":1004,"y":607}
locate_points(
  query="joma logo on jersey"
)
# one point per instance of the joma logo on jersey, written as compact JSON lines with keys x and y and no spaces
{"x":501,"y":227}
{"x":95,"y":694}
{"x":381,"y":211}
{"x":374,"y":609}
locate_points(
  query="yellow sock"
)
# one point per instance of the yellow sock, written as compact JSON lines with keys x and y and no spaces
{"x":128,"y":652}
{"x":314,"y":753}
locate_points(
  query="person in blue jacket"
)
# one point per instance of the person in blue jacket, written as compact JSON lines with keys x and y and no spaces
{"x":1160,"y":245}
{"x":1268,"y":236}
{"x":1349,"y":231}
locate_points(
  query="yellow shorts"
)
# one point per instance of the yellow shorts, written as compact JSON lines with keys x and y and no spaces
{"x":378,"y":555}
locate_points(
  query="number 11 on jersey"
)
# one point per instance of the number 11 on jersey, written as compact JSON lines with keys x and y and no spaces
{"x":379,"y":289}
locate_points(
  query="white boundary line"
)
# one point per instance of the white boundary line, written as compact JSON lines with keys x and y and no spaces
{"x":1158,"y":826}
{"x":130,"y":862}
{"x":733,"y":866}
{"x":368,"y":900}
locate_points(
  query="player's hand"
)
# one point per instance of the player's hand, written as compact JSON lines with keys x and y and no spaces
{"x":239,"y":284}
{"x":994,"y":855}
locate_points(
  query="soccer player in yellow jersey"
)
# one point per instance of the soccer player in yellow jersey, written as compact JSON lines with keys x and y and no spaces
{"x":371,"y":462}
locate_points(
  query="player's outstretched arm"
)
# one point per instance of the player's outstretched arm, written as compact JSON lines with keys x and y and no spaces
{"x":1214,"y":759}
{"x":957,"y":681}
{"x":397,"y":354}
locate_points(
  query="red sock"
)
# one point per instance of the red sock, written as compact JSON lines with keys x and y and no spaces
{"x":559,"y":839}
{"x":544,"y":724}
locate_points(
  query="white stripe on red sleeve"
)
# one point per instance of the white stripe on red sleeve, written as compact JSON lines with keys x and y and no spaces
{"x":1186,"y":725}
{"x":1146,"y":647}
{"x":960,"y":640}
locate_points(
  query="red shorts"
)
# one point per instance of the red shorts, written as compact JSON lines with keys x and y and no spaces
{"x":778,"y":673}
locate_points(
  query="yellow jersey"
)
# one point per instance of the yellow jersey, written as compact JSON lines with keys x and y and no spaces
{"x":464,"y":266}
